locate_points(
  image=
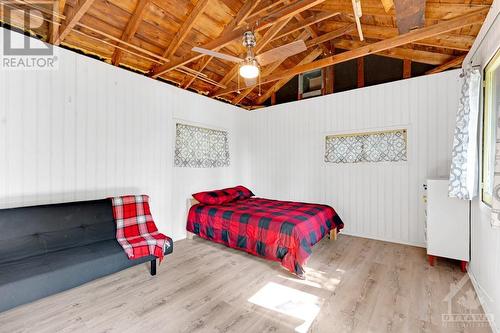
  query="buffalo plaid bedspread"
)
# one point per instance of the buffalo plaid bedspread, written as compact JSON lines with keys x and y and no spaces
{"x":277,"y":230}
{"x":135,"y":229}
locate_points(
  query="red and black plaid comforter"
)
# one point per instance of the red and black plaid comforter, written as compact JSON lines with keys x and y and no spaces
{"x":278,"y":230}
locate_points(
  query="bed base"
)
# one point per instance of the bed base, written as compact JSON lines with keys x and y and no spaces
{"x":333,"y":234}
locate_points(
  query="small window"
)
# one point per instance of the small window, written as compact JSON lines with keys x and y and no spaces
{"x":199,"y":147}
{"x":382,"y":146}
{"x":491,"y":104}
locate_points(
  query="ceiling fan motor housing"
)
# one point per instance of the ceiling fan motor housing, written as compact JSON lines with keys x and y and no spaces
{"x":248,"y":39}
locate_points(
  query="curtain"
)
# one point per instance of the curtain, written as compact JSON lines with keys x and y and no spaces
{"x":464,"y":157}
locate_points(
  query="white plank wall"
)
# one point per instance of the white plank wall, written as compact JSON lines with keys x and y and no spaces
{"x":376,"y":200}
{"x":90,"y":130}
{"x":485,"y":244}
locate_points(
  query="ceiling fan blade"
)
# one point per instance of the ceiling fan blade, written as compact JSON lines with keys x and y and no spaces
{"x":217,"y":54}
{"x":281,"y":52}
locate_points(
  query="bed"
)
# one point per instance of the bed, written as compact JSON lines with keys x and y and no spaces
{"x":283,"y":231}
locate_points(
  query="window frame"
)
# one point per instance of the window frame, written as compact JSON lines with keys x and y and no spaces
{"x":488,"y":133}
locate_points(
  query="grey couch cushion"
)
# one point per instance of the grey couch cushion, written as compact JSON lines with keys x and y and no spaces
{"x":32,"y":231}
{"x":39,"y":276}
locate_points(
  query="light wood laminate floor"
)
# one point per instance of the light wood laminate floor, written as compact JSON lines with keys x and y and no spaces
{"x":352,"y":285}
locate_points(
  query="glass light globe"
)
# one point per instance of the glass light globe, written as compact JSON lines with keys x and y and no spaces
{"x":249,"y":70}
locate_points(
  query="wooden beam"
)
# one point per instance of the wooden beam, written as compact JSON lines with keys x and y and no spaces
{"x":329,"y":80}
{"x":57,"y":7}
{"x":311,"y":56}
{"x":331,"y":35}
{"x":273,"y":98}
{"x":388,"y":5}
{"x":242,"y":14}
{"x":275,"y":17}
{"x":72,"y":17}
{"x":433,"y":30}
{"x":265,"y":7}
{"x":448,"y":41}
{"x":406,"y":68}
{"x":313,"y":19}
{"x":185,"y":28}
{"x":361,"y":72}
{"x":130,"y":29}
{"x":247,"y":9}
{"x":312,"y":31}
{"x":426,"y":57}
{"x":433,"y":10}
{"x":455,"y":62}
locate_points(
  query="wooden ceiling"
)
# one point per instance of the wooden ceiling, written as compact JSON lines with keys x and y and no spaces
{"x":155,"y":37}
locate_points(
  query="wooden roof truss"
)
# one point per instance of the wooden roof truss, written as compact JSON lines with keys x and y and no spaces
{"x":155,"y":37}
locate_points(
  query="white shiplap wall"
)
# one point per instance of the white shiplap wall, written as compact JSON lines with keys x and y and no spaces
{"x":485,"y":240}
{"x":376,"y":200}
{"x":90,"y":130}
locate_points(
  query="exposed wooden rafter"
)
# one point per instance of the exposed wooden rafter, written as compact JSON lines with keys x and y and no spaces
{"x":455,"y":62}
{"x":130,"y":29}
{"x":313,"y":19}
{"x":331,"y":35}
{"x":73,"y":15}
{"x":429,"y":31}
{"x":447,"y":40}
{"x":158,"y":39}
{"x":425,"y":57}
{"x":277,"y":16}
{"x":57,"y":11}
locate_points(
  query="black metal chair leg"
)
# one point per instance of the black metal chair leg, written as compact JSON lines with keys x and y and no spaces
{"x":153,"y":267}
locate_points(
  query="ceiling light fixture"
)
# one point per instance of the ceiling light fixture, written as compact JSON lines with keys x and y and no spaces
{"x":249,"y":69}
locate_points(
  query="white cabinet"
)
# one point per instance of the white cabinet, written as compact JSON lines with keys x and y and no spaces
{"x":447,"y":224}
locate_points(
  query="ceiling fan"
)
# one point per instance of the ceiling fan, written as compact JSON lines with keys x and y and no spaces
{"x":250,"y":65}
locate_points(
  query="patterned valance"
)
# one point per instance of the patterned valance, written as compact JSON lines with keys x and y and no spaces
{"x":381,"y":146}
{"x":199,"y":147}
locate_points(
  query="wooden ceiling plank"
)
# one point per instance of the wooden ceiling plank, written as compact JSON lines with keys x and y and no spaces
{"x":185,"y":28}
{"x":243,"y":13}
{"x":130,"y":29}
{"x":73,"y":16}
{"x":425,"y":32}
{"x":310,"y":57}
{"x":455,"y":62}
{"x":277,"y":16}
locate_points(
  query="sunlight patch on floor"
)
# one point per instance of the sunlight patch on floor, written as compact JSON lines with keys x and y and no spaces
{"x":289,"y":301}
